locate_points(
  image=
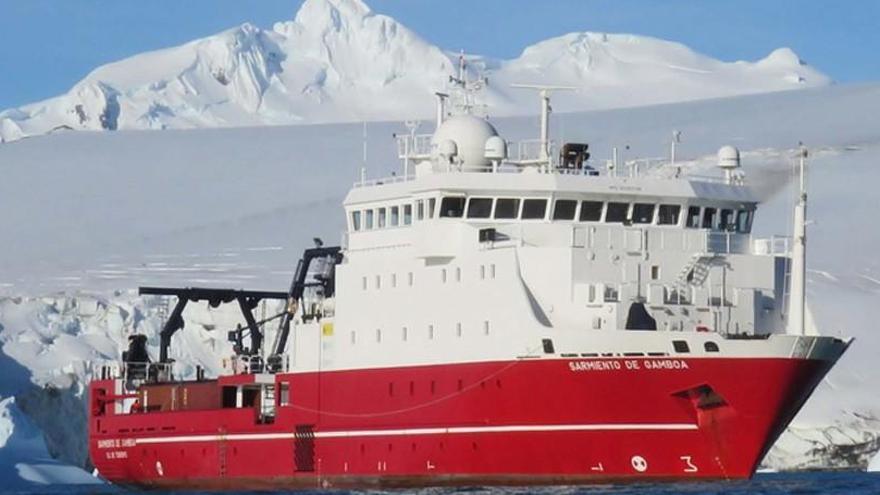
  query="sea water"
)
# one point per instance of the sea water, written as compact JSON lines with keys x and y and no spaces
{"x":849,"y":483}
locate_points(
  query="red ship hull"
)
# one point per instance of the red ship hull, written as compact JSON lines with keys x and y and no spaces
{"x":542,"y":421}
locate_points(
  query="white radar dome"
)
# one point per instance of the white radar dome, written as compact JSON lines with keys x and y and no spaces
{"x":495,"y":149}
{"x":469,"y":135}
{"x":728,"y":157}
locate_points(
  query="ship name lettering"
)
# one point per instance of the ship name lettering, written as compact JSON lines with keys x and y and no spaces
{"x":629,"y":364}
{"x":115,"y":443}
{"x":666,"y":364}
{"x":594,"y":365}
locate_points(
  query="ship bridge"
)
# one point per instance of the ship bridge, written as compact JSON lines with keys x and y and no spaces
{"x":580,"y":246}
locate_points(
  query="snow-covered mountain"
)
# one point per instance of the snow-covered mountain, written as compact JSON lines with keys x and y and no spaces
{"x":338,"y":61}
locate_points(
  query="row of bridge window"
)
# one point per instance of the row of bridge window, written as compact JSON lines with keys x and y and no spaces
{"x":482,"y":208}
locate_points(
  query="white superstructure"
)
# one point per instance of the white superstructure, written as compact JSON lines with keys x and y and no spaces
{"x":482,"y":249}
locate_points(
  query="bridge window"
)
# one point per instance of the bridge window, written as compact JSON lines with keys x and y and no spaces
{"x":643,"y":213}
{"x":616,"y":212}
{"x":380,"y":217}
{"x":395,"y":216}
{"x":668,"y":214}
{"x":479,"y":208}
{"x":710,"y":346}
{"x":356,"y":220}
{"x":431,"y":204}
{"x":369,"y":220}
{"x":725,"y":222}
{"x":420,"y":210}
{"x":591,"y":211}
{"x":709,"y":217}
{"x":506,"y":208}
{"x":534,"y":209}
{"x":693,"y":218}
{"x":564,"y":209}
{"x":407,"y":214}
{"x":743,"y":221}
{"x":451,"y":207}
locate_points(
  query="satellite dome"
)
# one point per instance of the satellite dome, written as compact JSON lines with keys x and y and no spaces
{"x":728,"y":157}
{"x":469,"y":134}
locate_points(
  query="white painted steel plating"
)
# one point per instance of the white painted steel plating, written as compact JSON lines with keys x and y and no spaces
{"x":797,"y":296}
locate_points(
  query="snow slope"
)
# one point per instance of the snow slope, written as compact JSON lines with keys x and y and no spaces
{"x":338,"y":61}
{"x":89,"y":216}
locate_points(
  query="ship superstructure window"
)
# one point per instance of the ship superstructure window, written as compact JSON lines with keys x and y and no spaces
{"x":611,"y":294}
{"x":693,"y":218}
{"x":743,"y":221}
{"x":709,"y":218}
{"x":381,"y":217}
{"x":668,"y":214}
{"x":407,"y":214}
{"x":284,"y":396}
{"x":479,"y":208}
{"x":643,"y":213}
{"x":506,"y":208}
{"x":616,"y":212}
{"x":534,"y":209}
{"x":395,"y":216}
{"x":564,"y":209}
{"x":591,"y":211}
{"x":725,"y":221}
{"x":420,"y":210}
{"x":368,"y":224}
{"x":356,"y":220}
{"x":431,"y":205}
{"x":452,"y":207}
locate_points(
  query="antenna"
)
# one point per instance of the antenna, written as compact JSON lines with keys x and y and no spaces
{"x":364,"y":162}
{"x":410,"y":144}
{"x":441,"y":107}
{"x":676,"y":138}
{"x":544,"y":93}
{"x":463,"y":88}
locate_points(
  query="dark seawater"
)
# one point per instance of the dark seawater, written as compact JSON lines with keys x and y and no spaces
{"x":849,"y":483}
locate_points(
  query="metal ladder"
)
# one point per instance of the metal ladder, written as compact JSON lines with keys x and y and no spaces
{"x":696,"y":270}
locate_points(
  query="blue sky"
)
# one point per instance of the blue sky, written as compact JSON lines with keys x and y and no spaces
{"x":48,"y":45}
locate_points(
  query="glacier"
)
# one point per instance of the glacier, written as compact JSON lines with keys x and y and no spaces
{"x":338,"y":61}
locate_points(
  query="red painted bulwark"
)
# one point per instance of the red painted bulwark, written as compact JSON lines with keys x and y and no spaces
{"x":517,"y":422}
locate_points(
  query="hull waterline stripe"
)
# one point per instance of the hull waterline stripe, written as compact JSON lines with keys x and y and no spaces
{"x":423,"y":431}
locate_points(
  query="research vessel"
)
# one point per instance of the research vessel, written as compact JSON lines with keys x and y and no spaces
{"x":497,"y":313}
